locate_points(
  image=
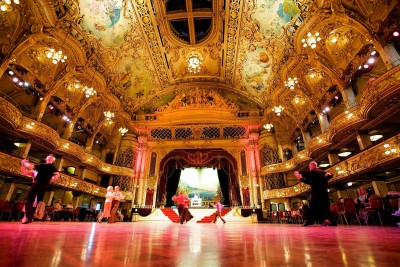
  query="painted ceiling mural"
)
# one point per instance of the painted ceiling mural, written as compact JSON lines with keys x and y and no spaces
{"x":279,"y":14}
{"x":105,"y":20}
{"x":144,"y":76}
{"x":256,"y":70}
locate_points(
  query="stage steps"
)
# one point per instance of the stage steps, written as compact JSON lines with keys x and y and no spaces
{"x":171,"y":214}
{"x":210,"y":218}
{"x":156,"y":216}
{"x":200,"y":216}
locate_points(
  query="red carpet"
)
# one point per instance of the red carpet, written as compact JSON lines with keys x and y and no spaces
{"x":171,"y":214}
{"x":209,"y":219}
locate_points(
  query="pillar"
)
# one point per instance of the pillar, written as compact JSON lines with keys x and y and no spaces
{"x":69,"y":130}
{"x":26,"y":150}
{"x":380,"y":188}
{"x":4,"y":66}
{"x":349,"y":97}
{"x":287,"y":204}
{"x":333,"y":158}
{"x":393,"y":57}
{"x":10,"y":191}
{"x":363,"y":140}
{"x":50,"y":198}
{"x":82,"y":173}
{"x":76,"y":204}
{"x":140,"y":193}
{"x":59,"y":164}
{"x":306,"y":138}
{"x":41,"y":107}
{"x":251,"y":150}
{"x":89,"y":143}
{"x":323,"y":122}
{"x":342,"y":194}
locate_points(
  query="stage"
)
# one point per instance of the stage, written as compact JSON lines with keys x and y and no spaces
{"x":167,"y":244}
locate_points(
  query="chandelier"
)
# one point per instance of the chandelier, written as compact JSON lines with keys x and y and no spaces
{"x":194,"y":61}
{"x":56,"y":56}
{"x":311,"y":40}
{"x":109,"y":115}
{"x":89,"y":91}
{"x":123,"y":130}
{"x":291,"y":82}
{"x":278,"y":110}
{"x":6,"y":4}
{"x":268,"y":126}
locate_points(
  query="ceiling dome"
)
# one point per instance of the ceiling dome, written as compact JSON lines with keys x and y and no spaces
{"x":190,"y":20}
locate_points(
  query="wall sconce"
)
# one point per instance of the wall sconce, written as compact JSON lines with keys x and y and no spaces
{"x":389,"y":149}
{"x":30,"y":125}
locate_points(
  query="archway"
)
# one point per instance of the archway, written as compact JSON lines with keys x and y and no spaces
{"x":172,"y":164}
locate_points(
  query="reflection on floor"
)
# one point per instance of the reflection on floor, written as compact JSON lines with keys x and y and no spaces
{"x":166,"y":244}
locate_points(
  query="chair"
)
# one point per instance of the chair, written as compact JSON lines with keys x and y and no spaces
{"x":48,"y":213}
{"x":334,"y":211}
{"x":349,"y":209}
{"x":5,"y":207}
{"x":376,"y":206}
{"x":340,"y":209}
{"x":19,"y":206}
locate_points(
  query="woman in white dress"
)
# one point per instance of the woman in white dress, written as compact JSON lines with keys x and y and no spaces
{"x":107,"y":204}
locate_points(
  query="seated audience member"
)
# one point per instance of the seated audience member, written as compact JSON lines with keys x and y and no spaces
{"x":361,"y":202}
{"x":58,"y":209}
{"x":120,"y":216}
{"x":70,"y":210}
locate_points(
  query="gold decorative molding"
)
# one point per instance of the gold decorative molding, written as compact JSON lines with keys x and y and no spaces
{"x":347,"y":122}
{"x":198,"y":99}
{"x":45,"y":135}
{"x":232,"y":37}
{"x":373,"y":157}
{"x":144,"y":14}
{"x":12,"y":165}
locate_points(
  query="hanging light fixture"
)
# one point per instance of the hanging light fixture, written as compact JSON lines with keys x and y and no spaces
{"x":89,"y":91}
{"x":56,"y":56}
{"x":268,"y":126}
{"x":311,"y":40}
{"x":123,"y":130}
{"x":109,"y":116}
{"x":194,"y":60}
{"x":278,"y":110}
{"x":5,"y":5}
{"x":291,"y":83}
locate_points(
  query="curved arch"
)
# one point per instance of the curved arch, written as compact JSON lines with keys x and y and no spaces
{"x":216,"y":158}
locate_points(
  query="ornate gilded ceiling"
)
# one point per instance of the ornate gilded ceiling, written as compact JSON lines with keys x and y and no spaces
{"x":241,"y":53}
{"x":135,"y":52}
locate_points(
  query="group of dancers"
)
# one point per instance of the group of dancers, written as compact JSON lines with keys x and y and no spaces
{"x":43,"y":173}
{"x":183,"y":209}
{"x":113,"y":197}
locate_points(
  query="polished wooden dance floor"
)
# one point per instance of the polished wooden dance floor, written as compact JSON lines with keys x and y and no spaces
{"x":166,"y":244}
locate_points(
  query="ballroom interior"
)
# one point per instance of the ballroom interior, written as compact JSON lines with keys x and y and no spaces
{"x":130,"y":93}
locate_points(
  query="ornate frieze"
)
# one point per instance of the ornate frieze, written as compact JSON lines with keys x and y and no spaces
{"x":374,"y":157}
{"x":12,"y":165}
{"x":45,"y":135}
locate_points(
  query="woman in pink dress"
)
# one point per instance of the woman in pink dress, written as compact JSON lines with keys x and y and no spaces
{"x":107,"y":204}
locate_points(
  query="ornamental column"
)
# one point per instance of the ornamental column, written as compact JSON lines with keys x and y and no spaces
{"x":252,"y":150}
